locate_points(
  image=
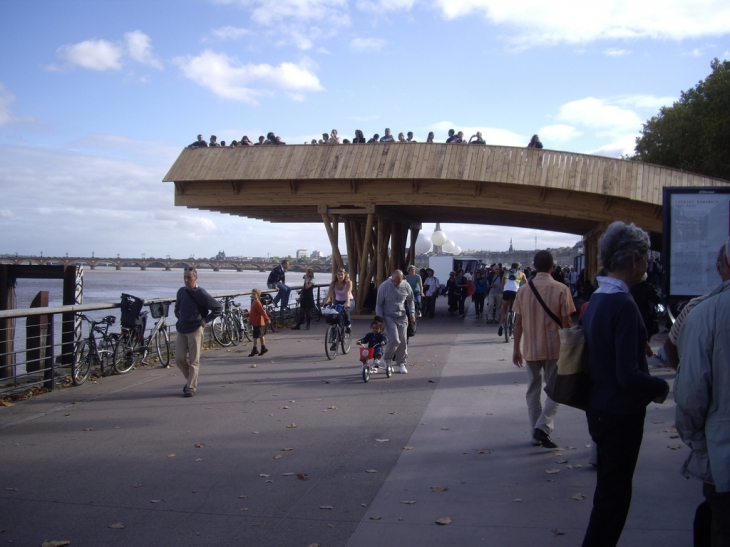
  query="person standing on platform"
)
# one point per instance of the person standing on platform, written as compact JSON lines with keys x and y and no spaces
{"x":703,"y":406}
{"x":432,"y":292}
{"x":194,"y":308}
{"x":395,"y":305}
{"x":258,"y":319}
{"x":539,"y":330}
{"x":306,"y":300}
{"x":277,"y":280}
{"x":416,"y":283}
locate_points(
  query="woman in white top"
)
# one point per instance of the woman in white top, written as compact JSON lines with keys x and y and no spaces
{"x":340,"y":292}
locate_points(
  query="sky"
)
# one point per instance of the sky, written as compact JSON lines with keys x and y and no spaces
{"x":98,"y":98}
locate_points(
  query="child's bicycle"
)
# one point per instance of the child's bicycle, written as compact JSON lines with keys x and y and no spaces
{"x":366,"y":358}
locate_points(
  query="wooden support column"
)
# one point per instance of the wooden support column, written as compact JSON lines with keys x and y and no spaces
{"x":412,"y":248}
{"x":351,"y":252}
{"x":590,"y":248}
{"x":363,"y":278}
{"x":7,"y":326}
{"x":332,"y":234}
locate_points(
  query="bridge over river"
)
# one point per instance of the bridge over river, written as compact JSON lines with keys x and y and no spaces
{"x":166,"y":264}
{"x":383,"y":192}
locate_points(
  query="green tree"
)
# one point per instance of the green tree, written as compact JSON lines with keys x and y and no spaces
{"x":694,"y":133}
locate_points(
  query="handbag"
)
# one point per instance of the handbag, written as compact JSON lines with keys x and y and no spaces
{"x":571,"y":384}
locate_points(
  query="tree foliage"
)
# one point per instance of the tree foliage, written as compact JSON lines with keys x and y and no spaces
{"x":694,"y":133}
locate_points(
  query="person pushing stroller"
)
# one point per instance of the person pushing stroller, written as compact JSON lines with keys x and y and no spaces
{"x":377,"y":340}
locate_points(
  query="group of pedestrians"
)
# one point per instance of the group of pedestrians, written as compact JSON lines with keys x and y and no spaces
{"x":333,"y":137}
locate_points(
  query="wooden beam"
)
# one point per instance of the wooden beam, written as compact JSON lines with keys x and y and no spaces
{"x":336,"y":256}
{"x":363,"y":281}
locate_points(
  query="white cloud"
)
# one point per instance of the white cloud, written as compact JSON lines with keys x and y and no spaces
{"x":93,"y":54}
{"x":367,"y":44}
{"x":619,"y":147}
{"x":559,"y":133}
{"x":139,"y":48}
{"x":598,"y":114}
{"x":6,"y":213}
{"x":230,"y":33}
{"x":229,"y":79}
{"x":616,"y":52}
{"x":385,"y":5}
{"x":6,"y":111}
{"x":696,"y":52}
{"x":573,"y":21}
{"x":298,"y":22}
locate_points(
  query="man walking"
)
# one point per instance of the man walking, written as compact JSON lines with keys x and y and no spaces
{"x":432,"y":292}
{"x":194,"y":308}
{"x":396,"y":306}
{"x":703,"y":406}
{"x":539,"y":328}
{"x":277,"y":280}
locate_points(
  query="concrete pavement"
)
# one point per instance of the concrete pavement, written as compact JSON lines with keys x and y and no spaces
{"x":299,"y":451}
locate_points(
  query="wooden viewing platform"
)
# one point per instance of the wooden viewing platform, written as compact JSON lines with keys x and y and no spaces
{"x":381,"y":191}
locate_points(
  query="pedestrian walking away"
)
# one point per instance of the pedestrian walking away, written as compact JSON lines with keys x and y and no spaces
{"x":540,"y":313}
{"x":194,"y":308}
{"x":395,"y":304}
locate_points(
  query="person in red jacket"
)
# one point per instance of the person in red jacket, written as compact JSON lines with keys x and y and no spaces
{"x":258,"y":319}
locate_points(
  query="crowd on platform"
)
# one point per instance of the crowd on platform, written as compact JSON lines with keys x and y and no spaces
{"x":334,"y":138}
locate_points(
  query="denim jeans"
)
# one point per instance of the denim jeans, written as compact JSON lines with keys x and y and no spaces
{"x":282,"y":295}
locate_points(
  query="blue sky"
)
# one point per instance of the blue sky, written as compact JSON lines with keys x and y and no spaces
{"x":97,"y":98}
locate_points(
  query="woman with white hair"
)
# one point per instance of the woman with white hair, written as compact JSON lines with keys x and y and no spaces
{"x":621,"y":386}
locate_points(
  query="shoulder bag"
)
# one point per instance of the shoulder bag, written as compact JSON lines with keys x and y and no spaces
{"x":571,"y":384}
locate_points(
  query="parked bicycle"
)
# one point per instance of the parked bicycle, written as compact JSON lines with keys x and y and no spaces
{"x":227,"y":327}
{"x":90,"y":353}
{"x":268,"y":303}
{"x":133,"y":346}
{"x":336,"y":334}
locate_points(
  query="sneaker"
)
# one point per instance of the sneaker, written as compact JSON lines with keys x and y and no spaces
{"x":500,"y":331}
{"x":544,"y":438}
{"x":189,"y":394}
{"x":263,"y":350}
{"x":254,"y":351}
{"x":403,"y":369}
{"x":376,"y":363}
{"x":374,"y":370}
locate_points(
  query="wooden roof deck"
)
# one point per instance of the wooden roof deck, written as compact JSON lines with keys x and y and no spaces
{"x":422,"y":182}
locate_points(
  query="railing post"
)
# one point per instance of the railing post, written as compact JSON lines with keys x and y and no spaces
{"x":49,"y":366}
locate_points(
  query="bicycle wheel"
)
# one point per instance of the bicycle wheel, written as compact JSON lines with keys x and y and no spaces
{"x":106,"y":353}
{"x":509,"y":326}
{"x":246,"y":329}
{"x":83,"y":361}
{"x":365,"y":373}
{"x":316,"y":314}
{"x":389,"y":370}
{"x":346,"y":341}
{"x":233,"y":331}
{"x":162,"y":346}
{"x":331,"y":339}
{"x":124,"y":354}
{"x":221,"y":332}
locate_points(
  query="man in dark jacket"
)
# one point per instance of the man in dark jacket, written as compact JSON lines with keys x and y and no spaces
{"x":194,"y":308}
{"x":277,"y":280}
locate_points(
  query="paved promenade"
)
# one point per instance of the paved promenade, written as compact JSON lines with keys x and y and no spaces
{"x":296,"y":450}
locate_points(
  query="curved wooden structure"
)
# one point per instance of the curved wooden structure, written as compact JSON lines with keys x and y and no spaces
{"x":381,"y":191}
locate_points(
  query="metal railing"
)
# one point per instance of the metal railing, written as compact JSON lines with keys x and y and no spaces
{"x":39,"y":343}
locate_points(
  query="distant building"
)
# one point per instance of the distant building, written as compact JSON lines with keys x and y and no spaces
{"x":302,"y":253}
{"x":316,"y":254}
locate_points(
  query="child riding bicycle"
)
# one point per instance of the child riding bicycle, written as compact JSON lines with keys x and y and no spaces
{"x":375,"y":340}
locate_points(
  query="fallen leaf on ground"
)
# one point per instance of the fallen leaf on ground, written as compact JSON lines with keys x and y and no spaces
{"x":577,"y":496}
{"x":10,"y":489}
{"x":331,"y":408}
{"x":569,"y":466}
{"x":313,"y":545}
{"x":326,"y":507}
{"x":674,"y":447}
{"x":198,"y":459}
{"x":517,"y":500}
{"x":577,"y":466}
{"x":375,"y":518}
{"x":255,"y":432}
{"x":278,"y":457}
{"x":264,"y":475}
{"x":268,"y":480}
{"x":561,"y":461}
{"x":199,"y":445}
{"x":444,"y":521}
{"x":138,"y":485}
{"x":88,"y":429}
{"x":431,"y":382}
{"x":303,"y":476}
{"x":396,"y":412}
{"x":330,"y":526}
{"x":254,"y":366}
{"x":117,"y":526}
{"x":284,"y":408}
{"x":155,"y":501}
{"x":409,"y":502}
{"x":287,"y":474}
{"x":407,"y":448}
{"x":657,"y":422}
{"x":6,"y":403}
{"x":291,"y":426}
{"x":484,"y":451}
{"x":558,"y":532}
{"x":445,"y":428}
{"x":239,"y":497}
{"x":382,"y":440}
{"x":552,"y":471}
{"x":171,"y":455}
{"x":287,"y":449}
{"x":56,"y":543}
{"x":439,"y":488}
{"x":674,"y":436}
{"x":371,"y":471}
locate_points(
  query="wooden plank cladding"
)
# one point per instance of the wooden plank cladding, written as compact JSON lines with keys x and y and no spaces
{"x":446,"y":162}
